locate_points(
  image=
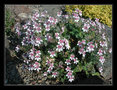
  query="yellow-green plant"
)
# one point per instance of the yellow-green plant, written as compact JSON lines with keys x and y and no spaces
{"x":102,"y":12}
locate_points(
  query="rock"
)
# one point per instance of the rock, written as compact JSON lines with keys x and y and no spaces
{"x":23,"y":16}
{"x":107,"y":66}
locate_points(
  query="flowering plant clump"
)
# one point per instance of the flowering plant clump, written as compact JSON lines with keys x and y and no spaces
{"x":61,"y":46}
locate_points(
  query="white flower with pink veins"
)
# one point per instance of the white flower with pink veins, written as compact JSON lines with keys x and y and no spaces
{"x":86,"y":27}
{"x":49,"y":70}
{"x":68,"y":69}
{"x":45,"y":74}
{"x":54,"y":74}
{"x":51,"y":19}
{"x":76,"y":19}
{"x":37,"y":66}
{"x":100,"y":52}
{"x":69,"y":74}
{"x":101,"y":70}
{"x":79,"y":43}
{"x":68,"y":61}
{"x":47,"y":28}
{"x":75,"y":60}
{"x":102,"y":59}
{"x":31,"y":55}
{"x":75,"y":15}
{"x":72,"y":57}
{"x":57,"y":36}
{"x":90,"y":48}
{"x":37,"y":57}
{"x":61,"y":42}
{"x":52,"y":53}
{"x":38,"y":41}
{"x":17,"y":48}
{"x":103,"y":43}
{"x":59,"y":13}
{"x":38,"y":30}
{"x":67,"y":44}
{"x":59,"y":48}
{"x":71,"y":78}
{"x":110,"y":50}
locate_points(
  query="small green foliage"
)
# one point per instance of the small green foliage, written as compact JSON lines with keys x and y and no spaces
{"x":9,"y":22}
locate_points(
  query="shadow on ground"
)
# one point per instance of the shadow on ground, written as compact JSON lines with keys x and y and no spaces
{"x":12,"y":75}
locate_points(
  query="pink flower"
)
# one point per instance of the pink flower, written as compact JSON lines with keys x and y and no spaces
{"x":48,"y":62}
{"x":103,"y":43}
{"x":77,"y":19}
{"x":49,"y":70}
{"x":69,"y":74}
{"x":36,"y":25}
{"x":68,"y":61}
{"x":96,"y":20}
{"x":45,"y":74}
{"x":80,"y":13}
{"x":47,"y":28}
{"x":54,"y":74}
{"x":59,"y":13}
{"x":57,"y":36}
{"x":100,"y":70}
{"x":100,"y":52}
{"x":76,"y":10}
{"x":38,"y":30}
{"x":86,"y":27}
{"x":75,"y":61}
{"x":71,"y":78}
{"x":55,"y":21}
{"x":37,"y":57}
{"x":81,"y":50}
{"x":67,"y":44}
{"x":17,"y":48}
{"x":38,"y":52}
{"x":84,"y":53}
{"x":75,"y":15}
{"x":37,"y":66}
{"x":68,"y":68}
{"x":102,"y":59}
{"x":25,"y":26}
{"x":72,"y":57}
{"x":47,"y":24}
{"x":79,"y":44}
{"x":110,"y":50}
{"x":43,"y":14}
{"x":93,"y":23}
{"x":59,"y":48}
{"x":51,"y":65}
{"x":61,"y":42}
{"x":66,"y":16}
{"x":83,"y":42}
{"x":90,"y":48}
{"x":62,"y":30}
{"x":31,"y":55}
{"x":51,"y":19}
{"x":35,"y":16}
{"x":52,"y":53}
{"x":38,"y":41}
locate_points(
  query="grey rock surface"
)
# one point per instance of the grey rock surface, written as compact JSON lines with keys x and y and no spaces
{"x":107,"y":67}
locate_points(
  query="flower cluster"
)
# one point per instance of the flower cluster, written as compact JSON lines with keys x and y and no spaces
{"x":44,"y":42}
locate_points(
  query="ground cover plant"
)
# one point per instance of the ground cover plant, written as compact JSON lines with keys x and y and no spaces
{"x":102,"y":12}
{"x":61,"y":46}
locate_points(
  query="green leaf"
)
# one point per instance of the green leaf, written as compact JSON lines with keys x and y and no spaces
{"x":62,"y":80}
{"x":76,"y":70}
{"x":96,"y":74}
